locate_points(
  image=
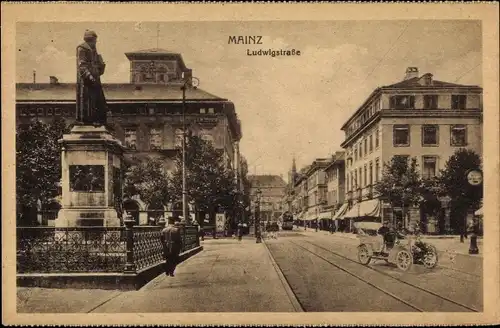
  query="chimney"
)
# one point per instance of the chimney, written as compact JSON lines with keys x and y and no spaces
{"x":54,"y":80}
{"x":34,"y":76}
{"x":411,"y":72}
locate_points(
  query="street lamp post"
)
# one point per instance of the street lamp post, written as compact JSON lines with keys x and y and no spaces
{"x":475,"y":179}
{"x":258,"y":238}
{"x":188,"y":82}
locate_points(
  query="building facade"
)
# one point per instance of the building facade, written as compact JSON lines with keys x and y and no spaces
{"x":145,"y":114}
{"x":335,"y":185}
{"x":272,"y":188}
{"x":417,"y":117}
{"x":316,"y":189}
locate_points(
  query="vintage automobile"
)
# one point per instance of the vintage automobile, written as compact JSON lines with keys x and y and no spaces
{"x":404,"y":251}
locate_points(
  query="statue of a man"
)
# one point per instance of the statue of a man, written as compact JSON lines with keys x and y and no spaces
{"x":90,"y":100}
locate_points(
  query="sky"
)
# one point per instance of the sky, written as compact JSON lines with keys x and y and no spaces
{"x":289,"y":106}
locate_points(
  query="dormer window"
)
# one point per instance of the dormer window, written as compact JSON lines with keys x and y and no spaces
{"x":426,"y":79}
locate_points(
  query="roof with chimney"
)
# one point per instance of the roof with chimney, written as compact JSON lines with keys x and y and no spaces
{"x":413,"y":81}
{"x":266,"y":181}
{"x":114,"y":92}
{"x":420,"y":82}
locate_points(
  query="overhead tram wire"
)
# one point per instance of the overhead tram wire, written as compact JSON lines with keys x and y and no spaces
{"x":384,"y":56}
{"x":464,"y":74}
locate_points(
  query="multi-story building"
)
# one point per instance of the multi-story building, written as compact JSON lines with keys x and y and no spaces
{"x":335,"y":185}
{"x":272,"y":188}
{"x":300,"y":201}
{"x":316,"y":189}
{"x":145,"y":114}
{"x":417,"y":117}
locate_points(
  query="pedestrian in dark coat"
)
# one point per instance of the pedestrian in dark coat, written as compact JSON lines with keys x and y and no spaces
{"x":240,"y":231}
{"x":172,"y":244}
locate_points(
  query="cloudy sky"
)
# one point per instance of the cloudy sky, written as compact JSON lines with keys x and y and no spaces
{"x":289,"y":106}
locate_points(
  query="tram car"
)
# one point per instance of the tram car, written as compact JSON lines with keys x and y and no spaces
{"x":287,"y":221}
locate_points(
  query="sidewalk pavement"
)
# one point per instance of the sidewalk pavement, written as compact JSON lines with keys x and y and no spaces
{"x":444,"y":243}
{"x":227,"y":276}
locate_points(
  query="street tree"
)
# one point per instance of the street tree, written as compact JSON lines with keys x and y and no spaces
{"x":38,"y":166}
{"x":148,"y":179}
{"x":210,"y":184}
{"x":453,"y":182}
{"x":401,"y":183}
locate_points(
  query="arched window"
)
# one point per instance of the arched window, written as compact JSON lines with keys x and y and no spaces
{"x":155,"y":211}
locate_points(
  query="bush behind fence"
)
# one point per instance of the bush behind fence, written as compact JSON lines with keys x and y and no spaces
{"x":93,"y":249}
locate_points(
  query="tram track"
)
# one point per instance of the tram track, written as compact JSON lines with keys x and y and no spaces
{"x":439,"y":266}
{"x":429,"y":296}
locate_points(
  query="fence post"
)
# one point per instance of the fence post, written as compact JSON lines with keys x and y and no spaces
{"x":129,"y":233}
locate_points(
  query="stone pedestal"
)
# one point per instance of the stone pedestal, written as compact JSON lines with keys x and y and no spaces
{"x":91,"y":179}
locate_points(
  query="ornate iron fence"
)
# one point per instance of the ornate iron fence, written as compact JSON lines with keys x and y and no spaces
{"x":94,"y":249}
{"x":148,"y":249}
{"x":89,"y":249}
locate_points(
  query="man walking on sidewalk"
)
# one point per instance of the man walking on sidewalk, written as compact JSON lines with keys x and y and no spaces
{"x":171,"y":240}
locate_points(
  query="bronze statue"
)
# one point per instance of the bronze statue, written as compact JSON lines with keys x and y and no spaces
{"x":90,"y":100}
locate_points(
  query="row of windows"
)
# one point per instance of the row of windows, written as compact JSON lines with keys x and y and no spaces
{"x":363,"y":177}
{"x":364,"y":117}
{"x":68,"y":111}
{"x":429,"y":165}
{"x":400,"y":102}
{"x":370,"y":174}
{"x":40,"y":111}
{"x":429,"y":102}
{"x":366,"y":145}
{"x":156,"y":138}
{"x":430,"y":135}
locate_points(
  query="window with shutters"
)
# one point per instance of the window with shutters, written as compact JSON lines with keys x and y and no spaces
{"x":402,"y":102}
{"x":429,"y":167}
{"x":430,"y":101}
{"x":401,"y":135}
{"x":458,"y":135}
{"x":377,"y":170}
{"x":430,"y":135}
{"x":458,"y":101}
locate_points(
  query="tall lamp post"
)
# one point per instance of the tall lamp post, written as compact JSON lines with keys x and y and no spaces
{"x":258,"y":238}
{"x":475,"y":179}
{"x":187,"y":82}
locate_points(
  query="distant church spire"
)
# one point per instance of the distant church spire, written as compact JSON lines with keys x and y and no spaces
{"x":293,"y":173}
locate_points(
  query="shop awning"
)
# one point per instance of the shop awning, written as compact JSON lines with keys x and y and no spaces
{"x":367,"y":208}
{"x":325,"y":215}
{"x":340,"y":213}
{"x":479,"y":212}
{"x":310,"y":217}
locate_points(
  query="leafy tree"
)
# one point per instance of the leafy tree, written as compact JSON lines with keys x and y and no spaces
{"x":38,"y":168}
{"x":148,"y":179}
{"x":400,"y":184}
{"x":246,"y":187}
{"x":209,"y":183}
{"x":453,"y":182}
